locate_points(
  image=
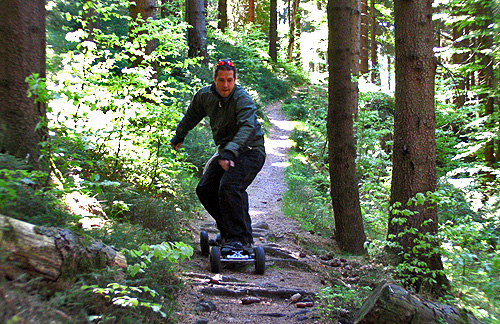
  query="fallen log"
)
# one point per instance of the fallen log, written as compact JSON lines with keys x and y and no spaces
{"x":50,"y":252}
{"x":392,"y":304}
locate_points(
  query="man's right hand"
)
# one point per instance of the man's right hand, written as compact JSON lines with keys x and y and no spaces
{"x":176,"y":142}
{"x":176,"y":146}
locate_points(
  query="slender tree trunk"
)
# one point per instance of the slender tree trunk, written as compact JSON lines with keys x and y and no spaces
{"x":222,"y":15}
{"x":457,"y":59}
{"x":168,"y":9}
{"x":22,"y":53}
{"x":90,"y":18}
{"x":414,"y":154}
{"x":375,"y":75}
{"x":273,"y":30}
{"x":343,"y":61}
{"x":291,"y":20}
{"x":197,"y":36}
{"x":251,"y":11}
{"x":145,"y":9}
{"x":485,"y":81}
{"x":363,"y":64}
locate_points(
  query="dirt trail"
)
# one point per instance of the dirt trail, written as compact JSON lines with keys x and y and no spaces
{"x":221,"y":298}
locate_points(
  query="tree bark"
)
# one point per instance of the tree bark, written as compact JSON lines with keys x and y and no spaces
{"x":51,"y":253}
{"x":197,"y":36}
{"x":293,"y":18}
{"x":485,"y":78}
{"x":363,"y":62}
{"x":251,"y":11}
{"x":375,"y":75}
{"x":343,"y":61}
{"x":222,"y":15}
{"x":414,"y":154}
{"x":273,"y":30}
{"x":22,"y":53}
{"x":391,"y":304}
{"x":90,"y":18}
{"x":145,"y":9}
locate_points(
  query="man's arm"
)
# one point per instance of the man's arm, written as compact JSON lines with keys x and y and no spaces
{"x":193,"y":116}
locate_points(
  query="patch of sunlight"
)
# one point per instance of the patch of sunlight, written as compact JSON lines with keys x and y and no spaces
{"x":280,"y":164}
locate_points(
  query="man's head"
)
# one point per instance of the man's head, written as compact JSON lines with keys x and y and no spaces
{"x":225,"y":77}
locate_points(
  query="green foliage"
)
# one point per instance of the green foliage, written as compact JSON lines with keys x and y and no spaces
{"x":24,"y":194}
{"x":173,"y":252}
{"x":135,"y":296}
{"x":121,"y":295}
{"x":337,"y":301}
{"x":265,"y":81}
{"x":307,"y":198}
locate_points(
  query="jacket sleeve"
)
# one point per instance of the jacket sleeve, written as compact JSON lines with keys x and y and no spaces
{"x":193,"y":116}
{"x":246,"y":120}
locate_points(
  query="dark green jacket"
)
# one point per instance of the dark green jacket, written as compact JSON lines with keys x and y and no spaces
{"x":233,"y":119}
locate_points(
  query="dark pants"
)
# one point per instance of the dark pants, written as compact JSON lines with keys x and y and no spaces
{"x":224,"y":196}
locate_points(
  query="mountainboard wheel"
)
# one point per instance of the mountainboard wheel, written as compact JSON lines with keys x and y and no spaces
{"x":205,"y":247}
{"x":218,"y":239}
{"x":260,"y":260}
{"x":215,"y":264}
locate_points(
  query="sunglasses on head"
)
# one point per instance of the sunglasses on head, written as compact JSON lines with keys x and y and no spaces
{"x":229,"y":63}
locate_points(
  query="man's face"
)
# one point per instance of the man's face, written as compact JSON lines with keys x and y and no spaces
{"x":225,"y":82}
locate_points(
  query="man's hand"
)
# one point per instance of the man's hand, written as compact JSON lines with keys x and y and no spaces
{"x":176,"y":146}
{"x":226,"y":159}
{"x":176,"y":142}
{"x":225,"y":164}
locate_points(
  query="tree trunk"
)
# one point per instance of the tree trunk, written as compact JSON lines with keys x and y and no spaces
{"x":145,"y":9}
{"x":251,"y":11}
{"x":90,"y":18}
{"x":273,"y":30}
{"x":375,"y":75}
{"x":197,"y":36}
{"x":485,"y":81}
{"x":168,"y":9}
{"x":458,"y":59}
{"x":391,"y":304}
{"x":363,"y":62}
{"x":22,"y":53}
{"x":414,"y":154}
{"x":51,"y":253}
{"x":343,"y":61}
{"x":293,"y":28}
{"x":222,"y":15}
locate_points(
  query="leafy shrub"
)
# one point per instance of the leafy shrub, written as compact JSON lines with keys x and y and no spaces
{"x":23,"y":194}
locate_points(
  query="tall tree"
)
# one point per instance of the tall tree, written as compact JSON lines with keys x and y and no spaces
{"x":90,"y":18}
{"x":251,"y":11}
{"x":343,"y":61}
{"x":197,"y":35}
{"x":485,"y":76}
{"x":294,"y":23}
{"x":22,"y":53}
{"x":375,"y":75}
{"x":273,"y":30}
{"x":363,"y":63}
{"x":414,"y":154}
{"x":143,"y":9}
{"x":222,"y":15}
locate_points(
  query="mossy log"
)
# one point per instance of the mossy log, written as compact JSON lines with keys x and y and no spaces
{"x":50,"y":252}
{"x":392,"y":304}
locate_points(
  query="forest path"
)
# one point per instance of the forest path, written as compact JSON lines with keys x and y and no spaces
{"x":240,"y":295}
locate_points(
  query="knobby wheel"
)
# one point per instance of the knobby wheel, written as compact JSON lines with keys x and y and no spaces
{"x":205,"y":247}
{"x":260,"y":260}
{"x":215,"y":264}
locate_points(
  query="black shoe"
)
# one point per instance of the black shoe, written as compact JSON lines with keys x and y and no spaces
{"x":237,"y":246}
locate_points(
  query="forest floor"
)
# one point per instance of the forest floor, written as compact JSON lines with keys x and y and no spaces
{"x":297,"y":261}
